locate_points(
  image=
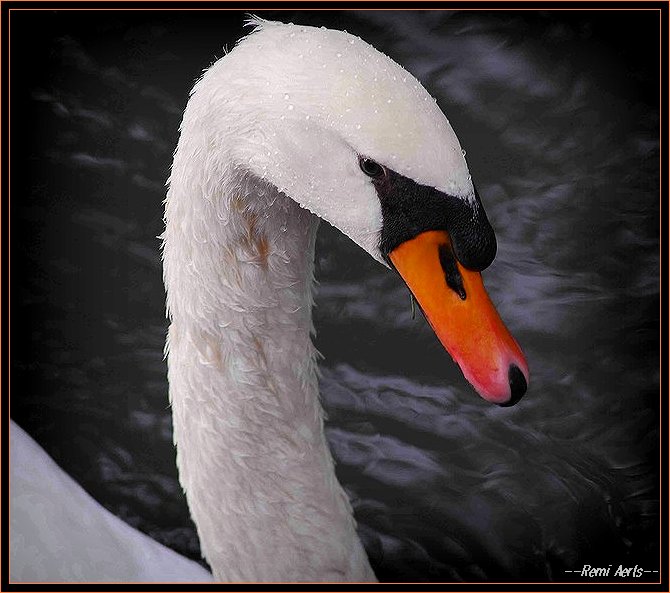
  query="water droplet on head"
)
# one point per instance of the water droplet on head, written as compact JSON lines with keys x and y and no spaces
{"x":463,"y":152}
{"x":290,"y":107}
{"x":286,"y":97}
{"x":307,"y":117}
{"x":300,"y":56}
{"x":358,"y":126}
{"x":351,"y":41}
{"x":283,"y":228}
{"x":338,"y":54}
{"x":388,"y":101}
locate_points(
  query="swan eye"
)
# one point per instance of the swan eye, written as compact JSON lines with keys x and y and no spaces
{"x":370,"y":167}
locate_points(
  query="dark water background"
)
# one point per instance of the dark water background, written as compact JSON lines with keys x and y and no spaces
{"x":558,"y":112}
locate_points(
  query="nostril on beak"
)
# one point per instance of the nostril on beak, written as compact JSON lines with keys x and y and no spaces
{"x":517,"y":384}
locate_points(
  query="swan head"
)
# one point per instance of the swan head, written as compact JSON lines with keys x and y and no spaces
{"x":354,"y":138}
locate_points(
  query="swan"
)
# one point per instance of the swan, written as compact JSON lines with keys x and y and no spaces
{"x":58,"y":532}
{"x":294,"y":125}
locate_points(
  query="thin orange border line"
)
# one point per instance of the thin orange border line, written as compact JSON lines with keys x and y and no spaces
{"x":223,"y":9}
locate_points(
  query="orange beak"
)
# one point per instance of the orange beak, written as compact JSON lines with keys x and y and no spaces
{"x":456,"y":305}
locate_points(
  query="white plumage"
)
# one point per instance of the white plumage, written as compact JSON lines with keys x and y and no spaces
{"x":60,"y":534}
{"x":285,"y":113}
{"x":269,"y":145}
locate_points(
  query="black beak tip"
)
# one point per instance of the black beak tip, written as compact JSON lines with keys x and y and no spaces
{"x":518,"y":386}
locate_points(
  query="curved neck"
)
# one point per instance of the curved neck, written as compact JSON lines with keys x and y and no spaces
{"x":248,"y":425}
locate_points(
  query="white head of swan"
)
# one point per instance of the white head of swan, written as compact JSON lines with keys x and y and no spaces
{"x":293,"y":125}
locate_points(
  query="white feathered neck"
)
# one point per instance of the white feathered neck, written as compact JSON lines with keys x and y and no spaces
{"x":286,"y":113}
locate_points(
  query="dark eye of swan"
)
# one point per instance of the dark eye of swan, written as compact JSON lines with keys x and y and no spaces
{"x":370,"y":167}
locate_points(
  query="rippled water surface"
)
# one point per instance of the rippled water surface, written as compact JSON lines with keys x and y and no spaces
{"x":558,"y":113}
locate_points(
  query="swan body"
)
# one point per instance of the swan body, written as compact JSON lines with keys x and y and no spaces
{"x":59,"y":533}
{"x":271,"y":142}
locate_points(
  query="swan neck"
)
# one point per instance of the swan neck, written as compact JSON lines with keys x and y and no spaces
{"x":248,"y":425}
